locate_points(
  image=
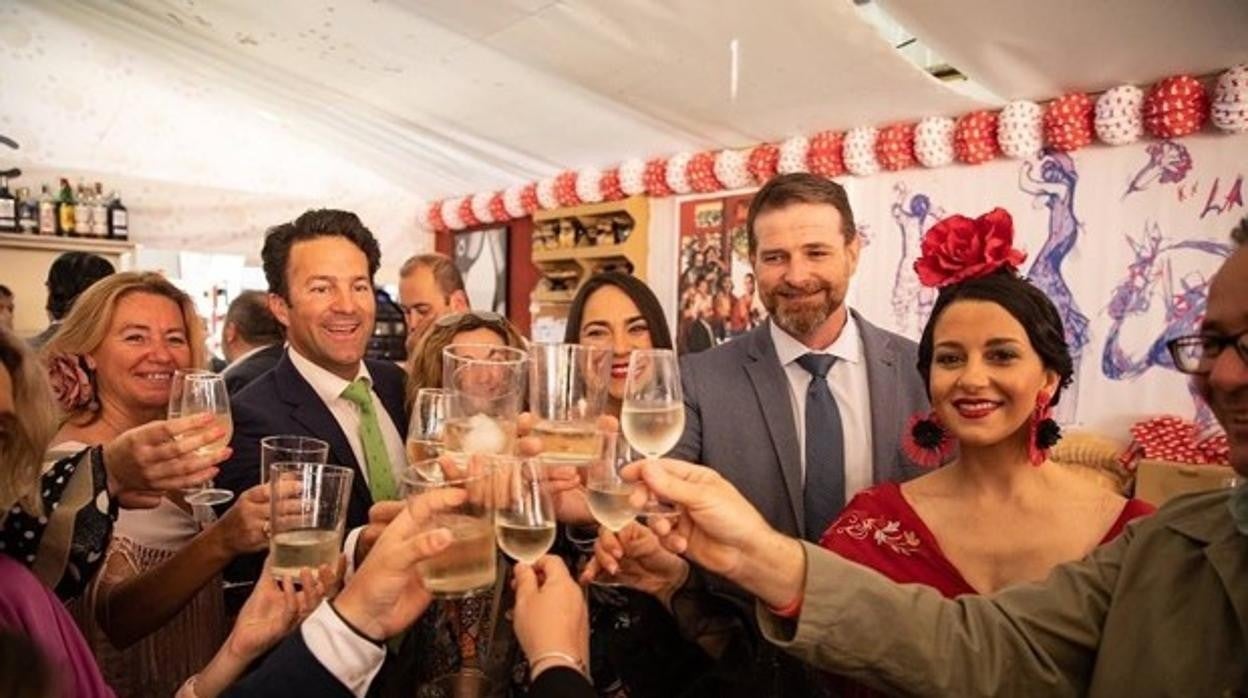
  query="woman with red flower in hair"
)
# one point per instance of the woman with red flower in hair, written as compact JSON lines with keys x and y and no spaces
{"x":994,"y":357}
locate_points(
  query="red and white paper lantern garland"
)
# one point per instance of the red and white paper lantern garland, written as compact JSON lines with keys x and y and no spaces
{"x":589,"y":185}
{"x":730,"y":169}
{"x":433,"y":217}
{"x":466,"y":216}
{"x":859,"y":151}
{"x":825,"y":154}
{"x":1020,"y":131}
{"x":1118,"y":119}
{"x":1175,"y":106}
{"x":933,"y":141}
{"x":677,"y":176}
{"x":480,"y":206}
{"x":700,"y":172}
{"x":610,"y":186}
{"x":498,"y":209}
{"x":763,"y":162}
{"x":1229,"y":110}
{"x":793,"y":155}
{"x":546,"y":194}
{"x":633,"y":177}
{"x":528,"y":198}
{"x":894,"y":147}
{"x":450,"y":214}
{"x":975,"y":137}
{"x":511,"y":201}
{"x":1068,"y":122}
{"x":565,"y":189}
{"x":655,"y":177}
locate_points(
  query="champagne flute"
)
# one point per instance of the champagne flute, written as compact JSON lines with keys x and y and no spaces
{"x":205,"y":393}
{"x":610,"y":496}
{"x":653,"y":414}
{"x":426,"y":433}
{"x":524,"y":513}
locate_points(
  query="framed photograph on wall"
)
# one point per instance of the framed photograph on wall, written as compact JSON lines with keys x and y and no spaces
{"x":481,"y":256}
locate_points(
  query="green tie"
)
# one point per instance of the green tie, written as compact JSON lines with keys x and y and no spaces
{"x":380,"y":477}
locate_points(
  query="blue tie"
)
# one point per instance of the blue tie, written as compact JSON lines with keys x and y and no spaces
{"x":824,"y":494}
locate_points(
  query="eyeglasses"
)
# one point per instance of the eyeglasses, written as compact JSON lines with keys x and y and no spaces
{"x":1195,"y":354}
{"x":482,"y":315}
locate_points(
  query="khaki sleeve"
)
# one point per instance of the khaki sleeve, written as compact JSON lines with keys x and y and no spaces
{"x":1031,"y":639}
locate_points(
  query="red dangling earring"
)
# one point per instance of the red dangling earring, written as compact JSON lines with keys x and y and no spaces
{"x":1044,"y":431}
{"x":926,"y":442}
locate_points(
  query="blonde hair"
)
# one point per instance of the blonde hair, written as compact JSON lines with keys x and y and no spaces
{"x":24,"y":435}
{"x":424,"y":366}
{"x":84,"y":328}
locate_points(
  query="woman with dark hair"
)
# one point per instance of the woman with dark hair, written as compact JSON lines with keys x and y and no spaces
{"x":994,"y":357}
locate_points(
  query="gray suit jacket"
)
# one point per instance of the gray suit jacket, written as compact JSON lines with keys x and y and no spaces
{"x":739,"y":419}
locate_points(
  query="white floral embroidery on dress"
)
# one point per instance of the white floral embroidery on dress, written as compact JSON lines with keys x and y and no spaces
{"x":883,"y":531}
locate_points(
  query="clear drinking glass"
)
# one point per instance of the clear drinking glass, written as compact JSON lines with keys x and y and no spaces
{"x":469,"y":565}
{"x":653,"y":414}
{"x":426,"y":433}
{"x":202,"y":392}
{"x":486,"y":385}
{"x":289,"y":448}
{"x":611,"y":499}
{"x":308,"y":512}
{"x":567,"y":392}
{"x":524,"y":511}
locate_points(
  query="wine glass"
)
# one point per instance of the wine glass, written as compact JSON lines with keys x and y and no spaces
{"x":567,"y":392}
{"x":204,"y":393}
{"x":653,"y":414}
{"x":426,"y":433}
{"x":611,"y":500}
{"x":524,"y":512}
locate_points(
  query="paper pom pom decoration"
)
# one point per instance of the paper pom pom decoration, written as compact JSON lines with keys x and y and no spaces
{"x":546,"y":194}
{"x":565,"y":189}
{"x":793,"y":155}
{"x":1229,"y":111}
{"x":1020,"y":132}
{"x":763,"y":161}
{"x":528,"y":198}
{"x":466,"y":216}
{"x":609,"y":185}
{"x":513,"y":204}
{"x":823,"y":156}
{"x":933,"y":141}
{"x":700,"y":173}
{"x":1068,"y":122}
{"x":1175,"y":106}
{"x":633,"y":177}
{"x":450,"y":214}
{"x":1117,"y":118}
{"x":498,"y":209}
{"x":859,"y":151}
{"x":975,"y":137}
{"x":655,"y":178}
{"x":433,"y":217}
{"x":730,"y":169}
{"x":894,"y":147}
{"x":588,"y":185}
{"x":480,"y":206}
{"x":677,"y":174}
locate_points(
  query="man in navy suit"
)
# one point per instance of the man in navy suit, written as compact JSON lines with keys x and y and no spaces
{"x":252,"y":340}
{"x":320,"y":270}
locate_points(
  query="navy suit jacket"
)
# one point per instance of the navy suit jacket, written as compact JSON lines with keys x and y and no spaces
{"x":240,"y":374}
{"x":282,"y":402}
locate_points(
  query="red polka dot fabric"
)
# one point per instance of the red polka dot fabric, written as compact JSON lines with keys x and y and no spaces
{"x":975,"y":137}
{"x":763,"y":161}
{"x":823,"y":157}
{"x":701,"y":173}
{"x":894,"y":147}
{"x":1175,"y":106}
{"x":1175,"y":439}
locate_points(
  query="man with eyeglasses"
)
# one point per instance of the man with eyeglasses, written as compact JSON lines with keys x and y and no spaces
{"x":430,"y":287}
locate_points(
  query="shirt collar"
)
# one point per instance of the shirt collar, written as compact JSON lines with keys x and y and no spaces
{"x":327,"y":385}
{"x":847,"y":346}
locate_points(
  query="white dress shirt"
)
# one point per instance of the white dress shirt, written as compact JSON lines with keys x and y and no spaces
{"x":848,"y":381}
{"x":352,"y":659}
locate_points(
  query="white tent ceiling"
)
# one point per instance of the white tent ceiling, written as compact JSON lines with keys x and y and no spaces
{"x":385,"y":103}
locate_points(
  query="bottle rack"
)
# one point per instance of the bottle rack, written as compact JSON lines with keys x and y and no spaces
{"x":572,"y":244}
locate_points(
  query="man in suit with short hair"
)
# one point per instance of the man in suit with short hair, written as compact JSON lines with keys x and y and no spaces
{"x":251,"y":340}
{"x":320,"y":270}
{"x":804,"y":411}
{"x":430,"y":287}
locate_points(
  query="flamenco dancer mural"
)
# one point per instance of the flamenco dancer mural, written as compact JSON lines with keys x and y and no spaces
{"x":912,"y":301}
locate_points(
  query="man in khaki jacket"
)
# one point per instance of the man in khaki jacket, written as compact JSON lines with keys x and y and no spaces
{"x":1161,"y":611}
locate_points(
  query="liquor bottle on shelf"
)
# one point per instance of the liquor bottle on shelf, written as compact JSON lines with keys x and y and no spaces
{"x":82,"y":210}
{"x":47,"y":212}
{"x":65,"y":210}
{"x":27,"y":212}
{"x":118,"y":223}
{"x":8,"y":208}
{"x":99,"y":213}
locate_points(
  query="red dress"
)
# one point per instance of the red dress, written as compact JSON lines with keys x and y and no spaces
{"x":879,"y":529}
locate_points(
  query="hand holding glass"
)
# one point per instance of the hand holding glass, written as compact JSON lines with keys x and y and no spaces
{"x":653,"y":414}
{"x":524,"y":514}
{"x":198,"y":392}
{"x":468,"y":566}
{"x":308,"y":514}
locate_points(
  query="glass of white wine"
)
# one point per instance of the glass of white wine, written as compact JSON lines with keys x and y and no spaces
{"x":469,"y":565}
{"x":486,"y":385}
{"x":653,"y":414}
{"x":203,"y":392}
{"x":426,"y":432}
{"x":567,"y":393}
{"x":308,"y":513}
{"x":290,"y":448}
{"x":524,"y":511}
{"x":611,"y":499}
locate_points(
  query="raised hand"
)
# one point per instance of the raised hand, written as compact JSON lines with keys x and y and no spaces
{"x":379,"y":516}
{"x":637,"y":559}
{"x":160,"y":455}
{"x":550,"y":614}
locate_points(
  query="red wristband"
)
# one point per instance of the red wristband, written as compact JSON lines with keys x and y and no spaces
{"x":790,"y":611}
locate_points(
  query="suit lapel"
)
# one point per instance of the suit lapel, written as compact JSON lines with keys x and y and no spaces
{"x":771,"y":386}
{"x":883,"y":382}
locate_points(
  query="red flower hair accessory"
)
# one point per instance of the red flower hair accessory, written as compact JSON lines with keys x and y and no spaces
{"x":960,"y":248}
{"x":73,"y":381}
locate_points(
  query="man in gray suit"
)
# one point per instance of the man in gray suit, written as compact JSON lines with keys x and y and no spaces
{"x":799,"y":414}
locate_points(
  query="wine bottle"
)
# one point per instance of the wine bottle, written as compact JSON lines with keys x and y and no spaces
{"x":65,"y":210}
{"x":27,"y":212}
{"x":47,"y":212}
{"x":82,"y":211}
{"x":99,"y":213}
{"x":118,"y":223}
{"x":8,"y":208}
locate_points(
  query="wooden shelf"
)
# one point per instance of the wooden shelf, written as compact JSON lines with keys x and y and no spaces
{"x":582,"y":252}
{"x":65,"y":244}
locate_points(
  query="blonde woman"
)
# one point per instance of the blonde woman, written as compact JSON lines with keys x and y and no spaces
{"x":158,"y":597}
{"x":424,"y":366}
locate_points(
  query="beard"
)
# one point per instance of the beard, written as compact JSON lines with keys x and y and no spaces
{"x":795,"y":311}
